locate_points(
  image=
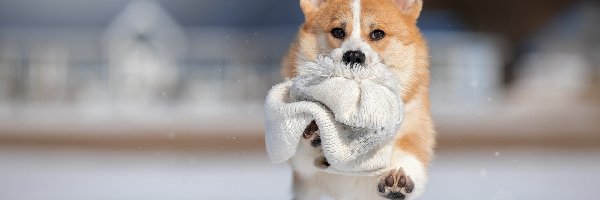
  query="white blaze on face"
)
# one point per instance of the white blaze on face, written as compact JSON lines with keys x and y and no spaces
{"x":355,"y":42}
{"x":355,"y":35}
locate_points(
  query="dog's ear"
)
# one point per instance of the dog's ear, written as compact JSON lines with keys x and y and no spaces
{"x":309,"y":7}
{"x":410,"y":8}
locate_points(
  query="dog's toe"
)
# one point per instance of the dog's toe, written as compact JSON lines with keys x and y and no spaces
{"x":321,"y":162}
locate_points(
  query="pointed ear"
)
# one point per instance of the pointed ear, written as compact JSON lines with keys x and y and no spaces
{"x":309,"y":7}
{"x":411,"y":8}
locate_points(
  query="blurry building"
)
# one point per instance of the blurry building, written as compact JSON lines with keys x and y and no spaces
{"x":465,"y":69}
{"x":563,"y":65}
{"x":144,"y":48}
{"x":134,"y":56}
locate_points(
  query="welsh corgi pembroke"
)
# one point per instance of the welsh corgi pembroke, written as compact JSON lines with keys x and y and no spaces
{"x":359,"y":33}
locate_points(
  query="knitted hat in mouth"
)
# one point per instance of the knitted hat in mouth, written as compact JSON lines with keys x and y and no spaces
{"x":358,"y":111}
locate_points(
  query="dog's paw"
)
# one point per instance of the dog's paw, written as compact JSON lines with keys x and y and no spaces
{"x":311,"y":133}
{"x":321,"y":162}
{"x":395,"y":184}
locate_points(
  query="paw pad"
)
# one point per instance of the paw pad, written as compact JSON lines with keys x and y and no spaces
{"x":321,"y":162}
{"x":395,"y":184}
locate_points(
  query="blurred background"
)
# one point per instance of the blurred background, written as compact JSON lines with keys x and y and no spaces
{"x":148,"y":99}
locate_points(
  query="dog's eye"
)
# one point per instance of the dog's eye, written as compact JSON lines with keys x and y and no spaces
{"x":338,"y":33}
{"x":377,"y":35}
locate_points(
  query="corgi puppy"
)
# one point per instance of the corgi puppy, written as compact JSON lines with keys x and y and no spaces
{"x":363,"y":32}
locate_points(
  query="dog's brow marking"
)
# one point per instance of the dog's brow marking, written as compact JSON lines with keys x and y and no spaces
{"x":356,"y":19}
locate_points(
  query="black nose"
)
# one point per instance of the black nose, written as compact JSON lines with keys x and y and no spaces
{"x":354,"y":57}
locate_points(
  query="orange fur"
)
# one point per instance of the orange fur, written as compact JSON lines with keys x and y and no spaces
{"x":417,"y":129}
{"x":403,"y":50}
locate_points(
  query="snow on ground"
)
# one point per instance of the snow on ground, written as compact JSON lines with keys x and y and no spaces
{"x":33,"y":173}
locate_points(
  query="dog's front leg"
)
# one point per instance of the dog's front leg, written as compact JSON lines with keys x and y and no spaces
{"x":305,"y":164}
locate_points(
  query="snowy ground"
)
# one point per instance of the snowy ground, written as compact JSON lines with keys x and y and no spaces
{"x":478,"y":174}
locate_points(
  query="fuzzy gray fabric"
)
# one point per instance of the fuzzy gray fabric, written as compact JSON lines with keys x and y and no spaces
{"x":358,"y":112}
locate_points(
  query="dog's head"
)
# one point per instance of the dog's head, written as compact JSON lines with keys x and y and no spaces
{"x":361,"y":33}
